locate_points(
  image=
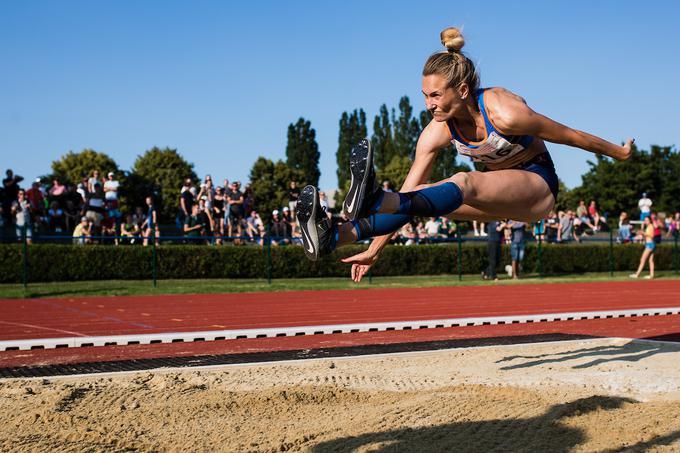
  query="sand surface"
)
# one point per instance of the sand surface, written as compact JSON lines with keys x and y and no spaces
{"x":595,"y":395}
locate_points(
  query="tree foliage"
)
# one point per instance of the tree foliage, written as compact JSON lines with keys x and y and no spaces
{"x":617,"y":186}
{"x":270,"y":181}
{"x":382,"y":138}
{"x":73,"y":167}
{"x":159,"y":173}
{"x":352,"y":129}
{"x":302,"y":151}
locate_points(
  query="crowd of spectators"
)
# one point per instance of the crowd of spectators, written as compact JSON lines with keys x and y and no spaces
{"x":89,"y":212}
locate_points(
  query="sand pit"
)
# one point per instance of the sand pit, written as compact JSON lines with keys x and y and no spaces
{"x":596,"y":395}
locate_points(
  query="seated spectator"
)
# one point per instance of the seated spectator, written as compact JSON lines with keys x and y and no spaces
{"x":624,"y":235}
{"x":109,"y":230}
{"x":57,"y":191}
{"x":278,"y":229}
{"x":140,"y":218}
{"x":674,"y":226}
{"x":56,"y":218}
{"x":582,"y":219}
{"x":255,"y":228}
{"x":408,"y":234}
{"x":421,"y":233}
{"x":566,"y":231}
{"x":82,"y":234}
{"x":432,"y":228}
{"x":594,"y":215}
{"x":129,"y":229}
{"x":552,"y":225}
{"x":194,"y":227}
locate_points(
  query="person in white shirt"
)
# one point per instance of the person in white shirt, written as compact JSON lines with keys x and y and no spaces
{"x":111,"y":188}
{"x":432,"y":227}
{"x":645,"y":205}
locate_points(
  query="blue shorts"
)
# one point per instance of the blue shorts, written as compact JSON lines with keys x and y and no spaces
{"x":544,"y":167}
{"x":650,"y":245}
{"x":517,"y":251}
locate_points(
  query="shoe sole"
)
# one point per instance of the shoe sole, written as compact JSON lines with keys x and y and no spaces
{"x":360,"y":166}
{"x":306,"y":211}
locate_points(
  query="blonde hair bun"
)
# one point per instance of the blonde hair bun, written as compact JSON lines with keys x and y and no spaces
{"x":452,"y":39}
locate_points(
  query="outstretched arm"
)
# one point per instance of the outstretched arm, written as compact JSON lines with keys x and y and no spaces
{"x":512,"y":116}
{"x":434,"y":137}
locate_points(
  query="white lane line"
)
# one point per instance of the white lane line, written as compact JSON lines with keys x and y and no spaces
{"x":236,"y":334}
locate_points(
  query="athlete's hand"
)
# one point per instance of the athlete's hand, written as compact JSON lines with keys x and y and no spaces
{"x":361,"y":263}
{"x":626,"y":150}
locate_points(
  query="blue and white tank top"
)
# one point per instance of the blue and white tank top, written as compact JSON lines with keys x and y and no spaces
{"x":495,"y":147}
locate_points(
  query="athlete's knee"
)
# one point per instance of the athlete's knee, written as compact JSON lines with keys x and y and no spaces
{"x":466,"y":184}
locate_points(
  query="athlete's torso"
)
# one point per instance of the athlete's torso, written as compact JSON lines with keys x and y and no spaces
{"x":496,"y":150}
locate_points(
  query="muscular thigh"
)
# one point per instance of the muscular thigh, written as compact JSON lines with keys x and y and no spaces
{"x":513,"y":194}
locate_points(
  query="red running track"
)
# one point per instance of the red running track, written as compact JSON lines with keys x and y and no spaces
{"x":97,"y":316}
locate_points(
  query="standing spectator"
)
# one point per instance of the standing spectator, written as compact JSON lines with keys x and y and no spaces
{"x":186,"y":201}
{"x":552,"y":226}
{"x":218,"y":206}
{"x":566,"y":231}
{"x":517,"y":245}
{"x":539,"y":230}
{"x":623,"y":237}
{"x":57,"y":189}
{"x":648,"y":253}
{"x":150,"y":225}
{"x":493,"y":248}
{"x":82,"y":190}
{"x":386,"y":186}
{"x":674,"y":227}
{"x":111,"y":188}
{"x":71,"y":215}
{"x":21,"y":210}
{"x":658,"y":225}
{"x":82,"y":232}
{"x":594,"y":215}
{"x":37,"y":200}
{"x":249,"y":201}
{"x":235,"y":197}
{"x":290,"y":223}
{"x":94,"y":207}
{"x":478,"y":232}
{"x":207,"y":220}
{"x":645,"y":205}
{"x":92,"y":180}
{"x":11,"y":191}
{"x":323,"y":200}
{"x":293,"y":195}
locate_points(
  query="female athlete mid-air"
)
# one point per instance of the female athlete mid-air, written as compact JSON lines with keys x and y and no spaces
{"x":490,"y":125}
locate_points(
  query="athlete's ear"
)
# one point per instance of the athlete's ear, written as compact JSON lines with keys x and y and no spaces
{"x":463,"y":90}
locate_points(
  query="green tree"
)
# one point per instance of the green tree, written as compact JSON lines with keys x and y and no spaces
{"x":382,"y":139}
{"x":352,"y":129}
{"x":270,"y":181}
{"x":302,"y":151}
{"x":395,"y":172}
{"x":159,"y":173}
{"x":406,"y":129}
{"x":616,"y":186}
{"x":73,"y":167}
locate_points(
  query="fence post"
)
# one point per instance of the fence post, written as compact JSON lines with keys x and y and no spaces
{"x":153,"y":256}
{"x":540,"y":261}
{"x":611,"y":252}
{"x":676,"y":257}
{"x":268,"y":243}
{"x":24,"y":276}
{"x":460,"y":254}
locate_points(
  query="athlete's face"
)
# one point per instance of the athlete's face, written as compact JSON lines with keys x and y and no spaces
{"x":442,"y":101}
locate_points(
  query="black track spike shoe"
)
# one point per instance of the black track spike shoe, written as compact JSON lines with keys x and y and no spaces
{"x":362,"y":189}
{"x":316,"y":227}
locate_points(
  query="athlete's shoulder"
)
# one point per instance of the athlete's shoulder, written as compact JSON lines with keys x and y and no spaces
{"x":504,"y":108}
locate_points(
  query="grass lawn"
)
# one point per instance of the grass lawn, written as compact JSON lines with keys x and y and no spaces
{"x":140,"y":287}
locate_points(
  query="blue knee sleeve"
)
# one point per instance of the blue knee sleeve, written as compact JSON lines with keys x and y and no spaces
{"x":379,"y":224}
{"x":433,"y":201}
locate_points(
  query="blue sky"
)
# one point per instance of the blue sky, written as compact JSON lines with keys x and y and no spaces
{"x":221,"y":81}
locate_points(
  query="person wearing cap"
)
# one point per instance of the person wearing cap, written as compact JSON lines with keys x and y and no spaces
{"x":645,"y":205}
{"x":278,"y":229}
{"x":290,"y":222}
{"x":111,"y":188}
{"x":36,"y":198}
{"x":82,"y":232}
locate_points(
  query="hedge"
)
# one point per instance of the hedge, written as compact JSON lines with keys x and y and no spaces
{"x":52,"y":262}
